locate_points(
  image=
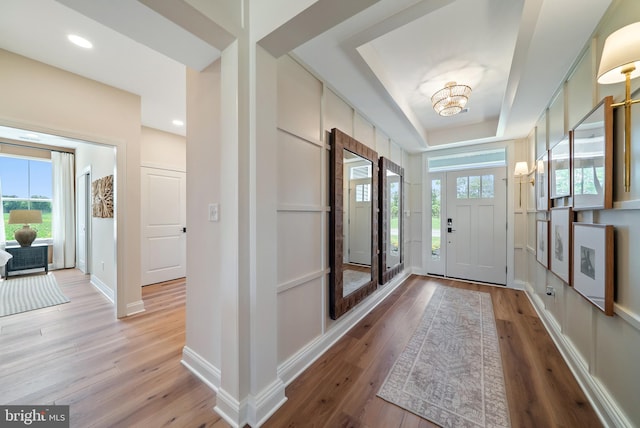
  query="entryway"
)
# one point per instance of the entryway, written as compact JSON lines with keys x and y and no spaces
{"x":469,"y":224}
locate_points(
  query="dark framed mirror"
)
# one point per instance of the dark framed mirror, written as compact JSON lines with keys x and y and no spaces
{"x":353,"y":222}
{"x":391,"y":184}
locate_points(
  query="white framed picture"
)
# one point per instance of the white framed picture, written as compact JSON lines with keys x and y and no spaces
{"x":593,"y":264}
{"x":542,"y":242}
{"x":561,"y":219}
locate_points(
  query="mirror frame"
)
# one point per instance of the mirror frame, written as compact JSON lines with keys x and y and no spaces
{"x":387,"y":274}
{"x":339,"y":304}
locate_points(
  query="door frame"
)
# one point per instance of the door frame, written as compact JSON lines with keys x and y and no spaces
{"x":86,"y":175}
{"x":510,"y":151}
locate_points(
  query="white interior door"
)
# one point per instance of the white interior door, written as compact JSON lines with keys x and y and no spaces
{"x":476,"y":225}
{"x":163,"y":211}
{"x":83,"y":221}
{"x":360,"y":221}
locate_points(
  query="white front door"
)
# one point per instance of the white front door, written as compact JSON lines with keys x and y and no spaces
{"x":360,"y":221}
{"x":476,"y":225}
{"x":163,"y":211}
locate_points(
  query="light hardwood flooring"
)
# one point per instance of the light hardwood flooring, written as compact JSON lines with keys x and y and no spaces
{"x":127,"y":373}
{"x":112,"y":373}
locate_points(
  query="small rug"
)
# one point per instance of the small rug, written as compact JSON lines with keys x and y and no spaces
{"x":26,"y":293}
{"x":353,"y":279}
{"x":450,"y":372}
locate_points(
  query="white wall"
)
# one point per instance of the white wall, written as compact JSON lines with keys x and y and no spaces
{"x":307,"y":110}
{"x":603,"y":351}
{"x":101,"y":160}
{"x":159,"y":149}
{"x":203,"y":336}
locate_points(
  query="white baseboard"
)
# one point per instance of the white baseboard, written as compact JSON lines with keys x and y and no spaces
{"x":231,"y":409}
{"x":201,"y":368}
{"x":103,"y":288}
{"x":135,"y":307}
{"x":265,"y":404}
{"x":301,"y":360}
{"x":603,"y":403}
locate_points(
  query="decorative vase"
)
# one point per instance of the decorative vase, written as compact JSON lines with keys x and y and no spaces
{"x":25,"y":236}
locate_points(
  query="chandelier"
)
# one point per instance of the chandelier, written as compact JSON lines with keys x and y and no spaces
{"x":451,"y":99}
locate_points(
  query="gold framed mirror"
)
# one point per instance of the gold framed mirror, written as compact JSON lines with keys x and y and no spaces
{"x":353,"y":222}
{"x":391,"y":183}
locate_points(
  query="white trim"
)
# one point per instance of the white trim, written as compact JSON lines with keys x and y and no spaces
{"x":300,"y":361}
{"x":626,"y":314}
{"x":154,"y":165}
{"x":302,"y":280}
{"x":208,"y":373}
{"x":627,"y":205}
{"x":135,"y":307}
{"x":103,"y":288}
{"x":231,"y":409}
{"x":610,"y":414}
{"x":318,"y":143}
{"x":262,"y":406}
{"x":303,"y":208}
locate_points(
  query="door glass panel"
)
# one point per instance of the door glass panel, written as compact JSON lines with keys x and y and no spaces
{"x":487,"y":186}
{"x":436,"y":199}
{"x":463,"y":187}
{"x":474,"y":187}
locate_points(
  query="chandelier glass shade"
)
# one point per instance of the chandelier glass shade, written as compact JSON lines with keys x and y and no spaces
{"x":451,"y":99}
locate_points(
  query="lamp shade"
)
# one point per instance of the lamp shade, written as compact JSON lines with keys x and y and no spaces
{"x":521,"y":168}
{"x":25,"y":216}
{"x":621,"y":49}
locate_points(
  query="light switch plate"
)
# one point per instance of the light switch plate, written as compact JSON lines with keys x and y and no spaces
{"x":214,"y":214}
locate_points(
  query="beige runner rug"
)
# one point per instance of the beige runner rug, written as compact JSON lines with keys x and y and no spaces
{"x":450,"y":371}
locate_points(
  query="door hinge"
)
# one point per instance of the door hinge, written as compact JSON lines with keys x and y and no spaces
{"x":506,"y":269}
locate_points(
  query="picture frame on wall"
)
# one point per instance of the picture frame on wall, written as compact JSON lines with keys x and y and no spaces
{"x":593,"y":264}
{"x":560,"y":169}
{"x":542,"y":182}
{"x":560,"y":242}
{"x":542,"y":242}
{"x":592,"y":158}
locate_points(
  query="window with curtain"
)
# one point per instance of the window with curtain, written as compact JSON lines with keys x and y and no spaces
{"x":26,"y":184}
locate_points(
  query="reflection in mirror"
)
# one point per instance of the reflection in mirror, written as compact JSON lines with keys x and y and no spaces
{"x":593,"y":159}
{"x":559,"y":169}
{"x":356,"y":213}
{"x":391,"y":197}
{"x":353,"y":224}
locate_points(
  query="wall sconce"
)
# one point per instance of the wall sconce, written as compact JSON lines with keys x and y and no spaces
{"x":522,"y":169}
{"x":620,"y":62}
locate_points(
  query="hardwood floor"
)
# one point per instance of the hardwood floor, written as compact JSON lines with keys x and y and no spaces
{"x":339,"y":389}
{"x":126,"y":373}
{"x":112,"y":373}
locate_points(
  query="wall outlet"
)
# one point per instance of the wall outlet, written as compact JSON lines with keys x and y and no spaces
{"x":551,"y":291}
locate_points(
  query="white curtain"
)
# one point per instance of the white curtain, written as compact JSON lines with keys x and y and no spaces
{"x":63,"y":227}
{"x":3,"y":242}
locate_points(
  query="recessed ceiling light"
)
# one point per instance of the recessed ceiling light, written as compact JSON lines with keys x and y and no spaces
{"x":178,"y":122}
{"x":80,"y":41}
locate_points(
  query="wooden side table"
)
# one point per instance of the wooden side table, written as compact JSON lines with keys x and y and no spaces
{"x":33,"y":257}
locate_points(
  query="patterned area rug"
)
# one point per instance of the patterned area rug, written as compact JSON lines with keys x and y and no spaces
{"x":450,"y":371}
{"x":25,"y":293}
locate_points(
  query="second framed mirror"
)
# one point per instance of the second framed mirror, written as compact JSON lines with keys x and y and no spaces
{"x":391,"y":224}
